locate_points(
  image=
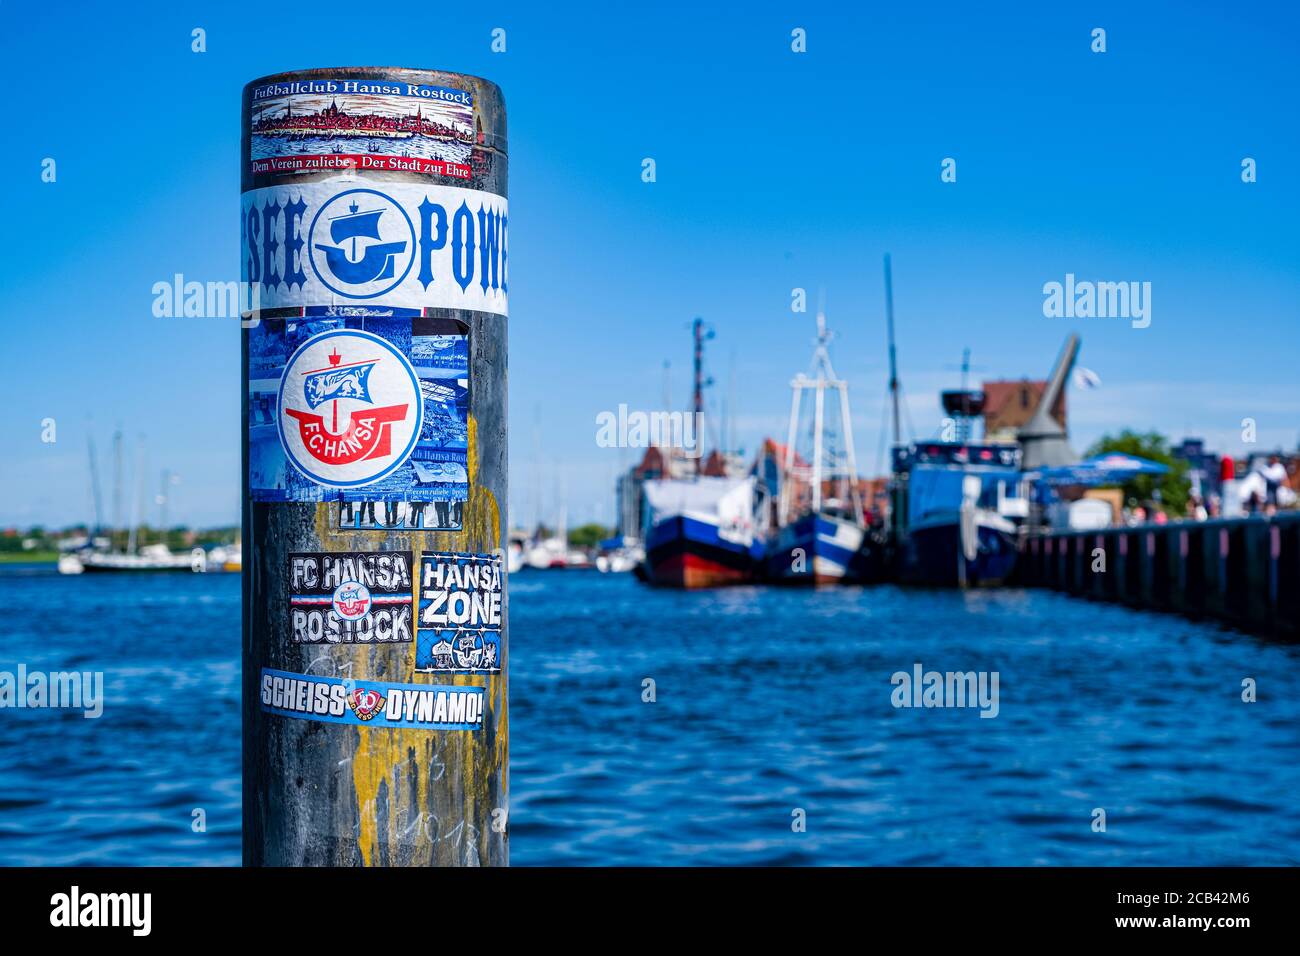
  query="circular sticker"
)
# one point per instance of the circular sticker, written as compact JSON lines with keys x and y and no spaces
{"x":350,"y":408}
{"x":351,"y":600}
{"x":361,"y":244}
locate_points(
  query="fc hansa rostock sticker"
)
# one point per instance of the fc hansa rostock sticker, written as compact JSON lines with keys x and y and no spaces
{"x":350,"y":408}
{"x":351,"y":597}
{"x":368,"y":412}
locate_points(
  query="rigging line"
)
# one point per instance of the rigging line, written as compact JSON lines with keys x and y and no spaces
{"x":884,"y":433}
{"x":907,"y":414}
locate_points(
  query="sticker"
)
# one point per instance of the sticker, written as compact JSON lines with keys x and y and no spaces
{"x":441,"y":515}
{"x":310,"y":126}
{"x":334,"y":700}
{"x":460,"y":614}
{"x":365,"y":410}
{"x":351,"y":598}
{"x":381,"y":408}
{"x":337,"y":243}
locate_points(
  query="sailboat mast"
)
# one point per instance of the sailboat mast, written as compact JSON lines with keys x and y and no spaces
{"x":117,"y":488}
{"x":893,"y":357}
{"x":94,"y":488}
{"x":137,"y":498}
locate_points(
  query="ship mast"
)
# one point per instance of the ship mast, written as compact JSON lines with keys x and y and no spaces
{"x":893,"y":356}
{"x":697,"y":400}
{"x":823,"y":378}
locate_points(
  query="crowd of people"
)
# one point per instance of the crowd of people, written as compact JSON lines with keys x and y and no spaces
{"x":1266,"y":489}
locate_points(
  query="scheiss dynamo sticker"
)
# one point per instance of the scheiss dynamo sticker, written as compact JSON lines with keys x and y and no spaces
{"x":460,"y":613}
{"x":351,"y":598}
{"x":350,"y":408}
{"x":334,"y":700}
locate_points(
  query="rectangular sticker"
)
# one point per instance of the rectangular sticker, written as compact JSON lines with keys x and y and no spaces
{"x":351,"y":242}
{"x":335,"y":700}
{"x":442,"y":515}
{"x":459,"y":629}
{"x":351,"y":598}
{"x":371,"y":411}
{"x":307,"y":126}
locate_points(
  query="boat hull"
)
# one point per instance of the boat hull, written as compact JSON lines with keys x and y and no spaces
{"x":933,"y":552}
{"x":820,"y":549}
{"x":685,"y":552}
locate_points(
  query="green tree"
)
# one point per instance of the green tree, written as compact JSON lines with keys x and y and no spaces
{"x":1174,"y":486}
{"x":588,"y":535}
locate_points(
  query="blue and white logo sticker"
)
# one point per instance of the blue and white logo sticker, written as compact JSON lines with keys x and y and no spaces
{"x":361,"y":244}
{"x":399,"y":246}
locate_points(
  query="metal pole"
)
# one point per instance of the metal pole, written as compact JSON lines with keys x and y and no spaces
{"x":374,"y":262}
{"x":893,"y":355}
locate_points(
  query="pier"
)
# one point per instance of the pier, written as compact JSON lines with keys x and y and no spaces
{"x":1238,"y":571}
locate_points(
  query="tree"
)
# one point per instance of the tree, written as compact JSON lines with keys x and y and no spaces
{"x":1174,"y":486}
{"x":588,"y":535}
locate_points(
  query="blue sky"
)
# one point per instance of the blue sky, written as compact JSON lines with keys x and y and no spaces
{"x":775,"y":170}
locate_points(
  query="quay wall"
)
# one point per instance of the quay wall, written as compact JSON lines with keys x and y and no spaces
{"x":1244,"y":572}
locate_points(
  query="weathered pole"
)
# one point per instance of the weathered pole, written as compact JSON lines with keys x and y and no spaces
{"x":374,"y":258}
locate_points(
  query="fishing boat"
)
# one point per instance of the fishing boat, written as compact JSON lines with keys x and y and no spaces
{"x":959,"y":507}
{"x":956,"y":512}
{"x":821,"y":535}
{"x":701,"y":533}
{"x":703,"y":530}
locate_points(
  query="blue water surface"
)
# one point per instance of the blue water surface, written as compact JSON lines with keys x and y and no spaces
{"x":771,"y":706}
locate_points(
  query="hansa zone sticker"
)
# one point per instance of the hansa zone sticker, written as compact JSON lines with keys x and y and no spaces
{"x":459,"y":630}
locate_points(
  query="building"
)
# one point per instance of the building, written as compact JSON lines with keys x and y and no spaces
{"x":655,"y":463}
{"x":1008,"y":405}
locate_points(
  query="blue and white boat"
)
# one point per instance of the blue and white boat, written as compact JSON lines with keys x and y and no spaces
{"x":821,"y":535}
{"x":957,"y":509}
{"x":702,"y":533}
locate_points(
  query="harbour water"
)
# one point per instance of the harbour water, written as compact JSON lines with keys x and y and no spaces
{"x":768,"y":701}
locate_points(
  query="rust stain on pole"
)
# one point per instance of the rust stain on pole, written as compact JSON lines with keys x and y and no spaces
{"x":373,"y":242}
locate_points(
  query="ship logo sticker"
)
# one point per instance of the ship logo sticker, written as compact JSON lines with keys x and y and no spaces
{"x":350,"y":408}
{"x":362,"y":244}
{"x":351,"y":600}
{"x":366,"y":703}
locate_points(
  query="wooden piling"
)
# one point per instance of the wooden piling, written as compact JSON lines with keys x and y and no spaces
{"x":412,"y":771}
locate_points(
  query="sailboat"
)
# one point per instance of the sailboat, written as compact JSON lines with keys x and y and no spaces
{"x":821,"y":538}
{"x":153,"y":557}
